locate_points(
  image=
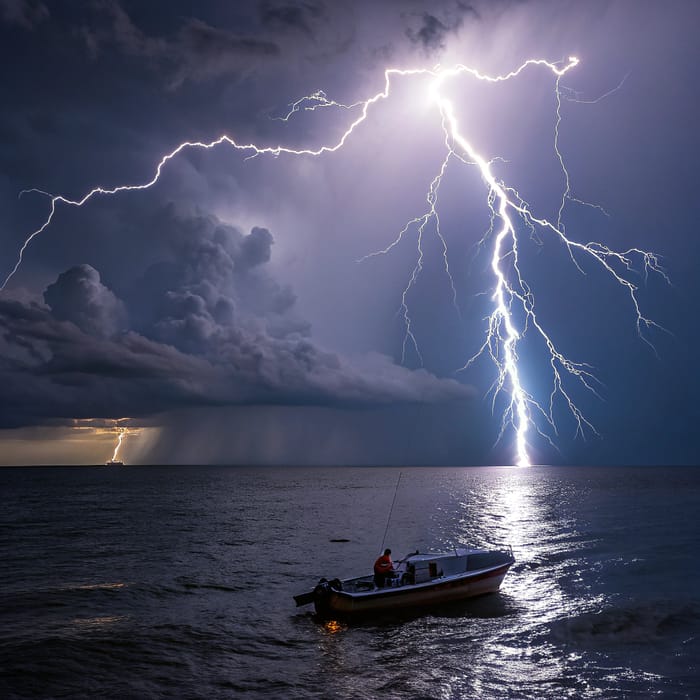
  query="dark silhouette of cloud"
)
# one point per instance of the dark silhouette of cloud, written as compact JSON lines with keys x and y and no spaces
{"x":201,"y":51}
{"x":300,"y":16}
{"x":431,"y":34}
{"x":434,"y":31}
{"x":210,"y":326}
{"x":23,"y":13}
{"x":79,"y":296}
{"x":197,"y":51}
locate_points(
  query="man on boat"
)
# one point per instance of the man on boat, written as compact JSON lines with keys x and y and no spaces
{"x":383,"y":568}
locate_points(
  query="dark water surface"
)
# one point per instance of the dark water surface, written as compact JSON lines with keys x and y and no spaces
{"x":141,"y":582}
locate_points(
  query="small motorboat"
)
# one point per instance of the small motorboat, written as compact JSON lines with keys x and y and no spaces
{"x":419,"y":580}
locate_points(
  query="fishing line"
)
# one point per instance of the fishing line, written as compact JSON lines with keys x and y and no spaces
{"x":388,"y":520}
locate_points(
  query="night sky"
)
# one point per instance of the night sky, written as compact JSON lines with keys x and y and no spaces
{"x":222,"y":315}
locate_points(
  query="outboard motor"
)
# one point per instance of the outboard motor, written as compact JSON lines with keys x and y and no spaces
{"x":322,"y":592}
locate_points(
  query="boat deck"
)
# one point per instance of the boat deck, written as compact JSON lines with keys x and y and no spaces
{"x":421,"y":569}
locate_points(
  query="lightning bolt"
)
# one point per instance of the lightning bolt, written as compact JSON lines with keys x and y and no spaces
{"x":513,"y":312}
{"x":122,"y":433}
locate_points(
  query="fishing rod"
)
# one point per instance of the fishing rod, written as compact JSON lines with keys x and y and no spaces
{"x":391,"y":510}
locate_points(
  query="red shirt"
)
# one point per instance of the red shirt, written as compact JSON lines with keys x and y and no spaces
{"x":383,"y":565}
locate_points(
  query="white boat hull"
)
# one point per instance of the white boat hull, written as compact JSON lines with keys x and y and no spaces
{"x":448,"y":590}
{"x":428,"y":580}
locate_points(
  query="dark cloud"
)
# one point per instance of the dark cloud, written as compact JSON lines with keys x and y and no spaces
{"x":434,"y":31}
{"x":209,"y":326}
{"x":300,"y":16}
{"x":24,"y":13}
{"x":211,"y":276}
{"x":210,"y":43}
{"x":431,"y":34}
{"x":201,"y":51}
{"x":52,"y":369}
{"x":196,"y":51}
{"x":255,"y":248}
{"x":79,"y":296}
{"x":111,"y":25}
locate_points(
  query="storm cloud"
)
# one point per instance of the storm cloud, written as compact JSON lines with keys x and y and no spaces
{"x":79,"y":296}
{"x":231,"y":288}
{"x":209,"y":326}
{"x":299,"y":16}
{"x":25,"y":13}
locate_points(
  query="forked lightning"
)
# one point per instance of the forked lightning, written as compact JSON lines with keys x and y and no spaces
{"x":513,"y":310}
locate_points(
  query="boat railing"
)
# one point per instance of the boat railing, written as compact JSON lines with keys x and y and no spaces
{"x":404,"y":572}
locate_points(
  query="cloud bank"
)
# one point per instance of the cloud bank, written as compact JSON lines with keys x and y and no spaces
{"x":207,"y":325}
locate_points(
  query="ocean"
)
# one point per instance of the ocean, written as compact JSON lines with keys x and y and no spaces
{"x":153,"y":582}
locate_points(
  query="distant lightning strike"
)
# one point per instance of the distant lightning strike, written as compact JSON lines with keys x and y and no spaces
{"x":120,"y":439}
{"x":511,"y":292}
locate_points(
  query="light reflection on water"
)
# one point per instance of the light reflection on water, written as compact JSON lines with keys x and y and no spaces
{"x":98,"y":623}
{"x":506,"y":637}
{"x":517,"y":509}
{"x":334,"y":626}
{"x":597,"y":604}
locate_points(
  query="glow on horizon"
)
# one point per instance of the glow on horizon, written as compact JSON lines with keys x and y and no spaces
{"x":85,"y":442}
{"x":505,"y":205}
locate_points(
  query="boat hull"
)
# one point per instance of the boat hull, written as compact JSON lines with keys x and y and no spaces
{"x":436,"y":592}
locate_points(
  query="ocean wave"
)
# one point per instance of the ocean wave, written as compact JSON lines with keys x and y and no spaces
{"x":192,"y":585}
{"x":634,"y":623}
